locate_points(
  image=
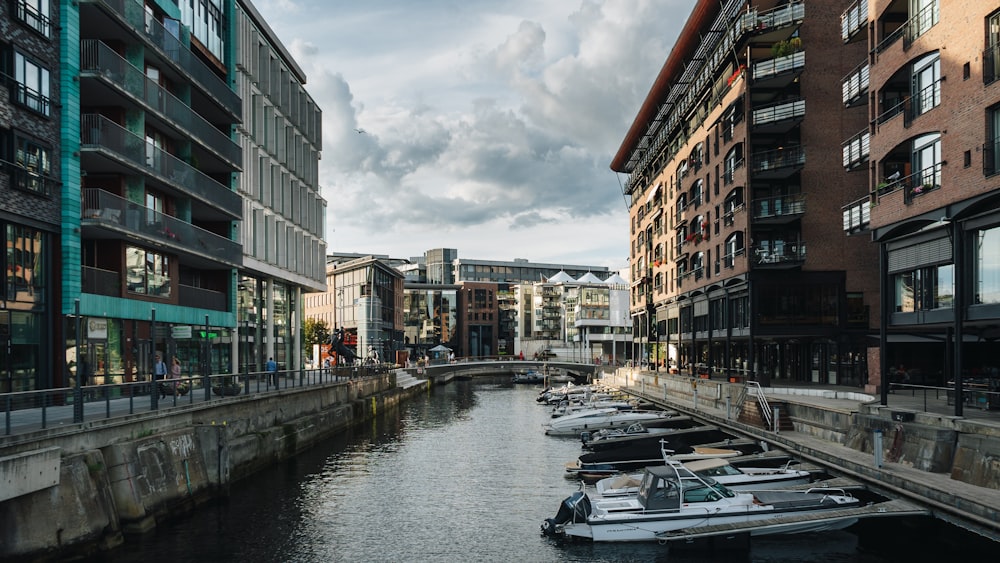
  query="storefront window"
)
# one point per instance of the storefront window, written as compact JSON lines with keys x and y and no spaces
{"x":988,"y":266}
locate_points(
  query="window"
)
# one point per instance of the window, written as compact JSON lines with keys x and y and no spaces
{"x":987,"y":251}
{"x":24,"y":264}
{"x":991,"y":149}
{"x":924,"y":14}
{"x":927,"y":161}
{"x":991,"y":57}
{"x":924,"y":289}
{"x":32,"y":84}
{"x":32,"y":164}
{"x":926,"y":89}
{"x":35,"y":13}
{"x":733,"y":161}
{"x":734,"y":247}
{"x":147,"y":272}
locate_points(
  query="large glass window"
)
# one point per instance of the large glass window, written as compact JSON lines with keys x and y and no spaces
{"x":24,"y":265}
{"x":32,"y":84}
{"x":34,"y":165}
{"x":927,"y":160}
{"x":924,"y":289}
{"x":987,"y":252}
{"x":147,"y":272}
{"x":926,"y":84}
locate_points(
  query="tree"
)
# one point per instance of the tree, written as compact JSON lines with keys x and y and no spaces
{"x":314,"y":332}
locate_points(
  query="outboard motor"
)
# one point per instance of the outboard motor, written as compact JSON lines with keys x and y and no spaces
{"x":586,"y":436}
{"x":575,"y":508}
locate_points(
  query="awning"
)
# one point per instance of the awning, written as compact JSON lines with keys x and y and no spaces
{"x":652,"y":193}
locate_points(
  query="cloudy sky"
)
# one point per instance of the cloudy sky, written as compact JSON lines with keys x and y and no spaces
{"x":486,"y":125}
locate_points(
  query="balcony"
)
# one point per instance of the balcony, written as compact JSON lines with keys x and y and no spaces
{"x":915,"y":185}
{"x":107,"y":216}
{"x":773,"y":25}
{"x":779,"y":72}
{"x":856,"y":149}
{"x":28,"y":13}
{"x":780,"y":255}
{"x":912,"y":29}
{"x":132,"y":14}
{"x":853,"y":21}
{"x":101,"y":282}
{"x":128,"y":152}
{"x":854,"y":86}
{"x":99,"y":61}
{"x":778,"y":163}
{"x":780,"y":209}
{"x":778,"y":118}
{"x":857,"y":215}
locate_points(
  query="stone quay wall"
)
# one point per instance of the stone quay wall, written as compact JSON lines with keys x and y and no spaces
{"x":92,"y":485}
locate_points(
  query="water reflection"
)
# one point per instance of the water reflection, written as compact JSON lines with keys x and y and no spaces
{"x":463,"y":472}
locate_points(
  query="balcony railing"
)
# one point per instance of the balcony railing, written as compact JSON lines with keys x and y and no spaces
{"x":201,"y":298}
{"x":729,"y":260}
{"x":29,"y":14}
{"x":914,"y":27}
{"x":101,"y":282}
{"x":779,"y":112}
{"x":729,"y":217}
{"x":917,"y":184}
{"x":928,"y":98}
{"x":781,"y":206}
{"x":772,"y":67}
{"x":134,"y":13}
{"x":97,"y":59}
{"x":854,"y":86}
{"x":106,"y":209}
{"x":788,"y":252}
{"x":100,"y":132}
{"x":857,"y":215}
{"x":853,"y":20}
{"x":24,"y":179}
{"x":856,"y":149}
{"x":778,"y":158}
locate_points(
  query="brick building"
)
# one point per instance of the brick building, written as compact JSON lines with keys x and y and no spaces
{"x":739,"y":264}
{"x":928,"y":82}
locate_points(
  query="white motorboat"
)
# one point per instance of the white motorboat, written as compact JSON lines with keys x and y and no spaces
{"x":719,"y":469}
{"x":595,"y":419}
{"x":671,"y":498}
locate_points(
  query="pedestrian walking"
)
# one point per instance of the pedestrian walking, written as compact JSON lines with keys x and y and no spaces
{"x":159,"y":368}
{"x":272,"y":368}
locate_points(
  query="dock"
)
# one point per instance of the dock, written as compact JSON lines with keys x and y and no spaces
{"x":889,"y":508}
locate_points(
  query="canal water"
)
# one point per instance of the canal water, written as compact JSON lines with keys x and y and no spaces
{"x":465,"y":473}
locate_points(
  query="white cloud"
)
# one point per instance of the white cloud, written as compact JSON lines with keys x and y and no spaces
{"x":489,"y":126}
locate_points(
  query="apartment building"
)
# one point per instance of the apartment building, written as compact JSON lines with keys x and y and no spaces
{"x":191,"y":216}
{"x":31,"y":165}
{"x":739,"y":265}
{"x":284,"y":213}
{"x":929,"y":84}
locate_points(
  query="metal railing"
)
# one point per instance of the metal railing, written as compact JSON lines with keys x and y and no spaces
{"x":774,"y":159}
{"x":100,"y":60}
{"x":779,"y":65}
{"x":779,"y":112}
{"x":856,"y":149}
{"x":855,"y":85}
{"x":857,"y":215}
{"x":779,"y":206}
{"x":854,"y":19}
{"x":97,"y":131}
{"x":28,"y":411}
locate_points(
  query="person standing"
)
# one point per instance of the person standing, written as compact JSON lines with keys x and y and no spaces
{"x":272,"y":368}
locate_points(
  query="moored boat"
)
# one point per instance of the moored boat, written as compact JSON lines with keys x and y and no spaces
{"x":596,"y":419}
{"x":672,"y":498}
{"x":719,"y":469}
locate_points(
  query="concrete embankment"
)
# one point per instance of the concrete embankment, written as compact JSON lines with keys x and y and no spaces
{"x":942,"y":462}
{"x":77,"y":490}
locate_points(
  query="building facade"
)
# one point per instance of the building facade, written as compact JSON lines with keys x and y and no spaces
{"x":150,"y":212}
{"x":284,"y":213}
{"x":738,"y":261}
{"x":31,"y":165}
{"x":928,"y":82}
